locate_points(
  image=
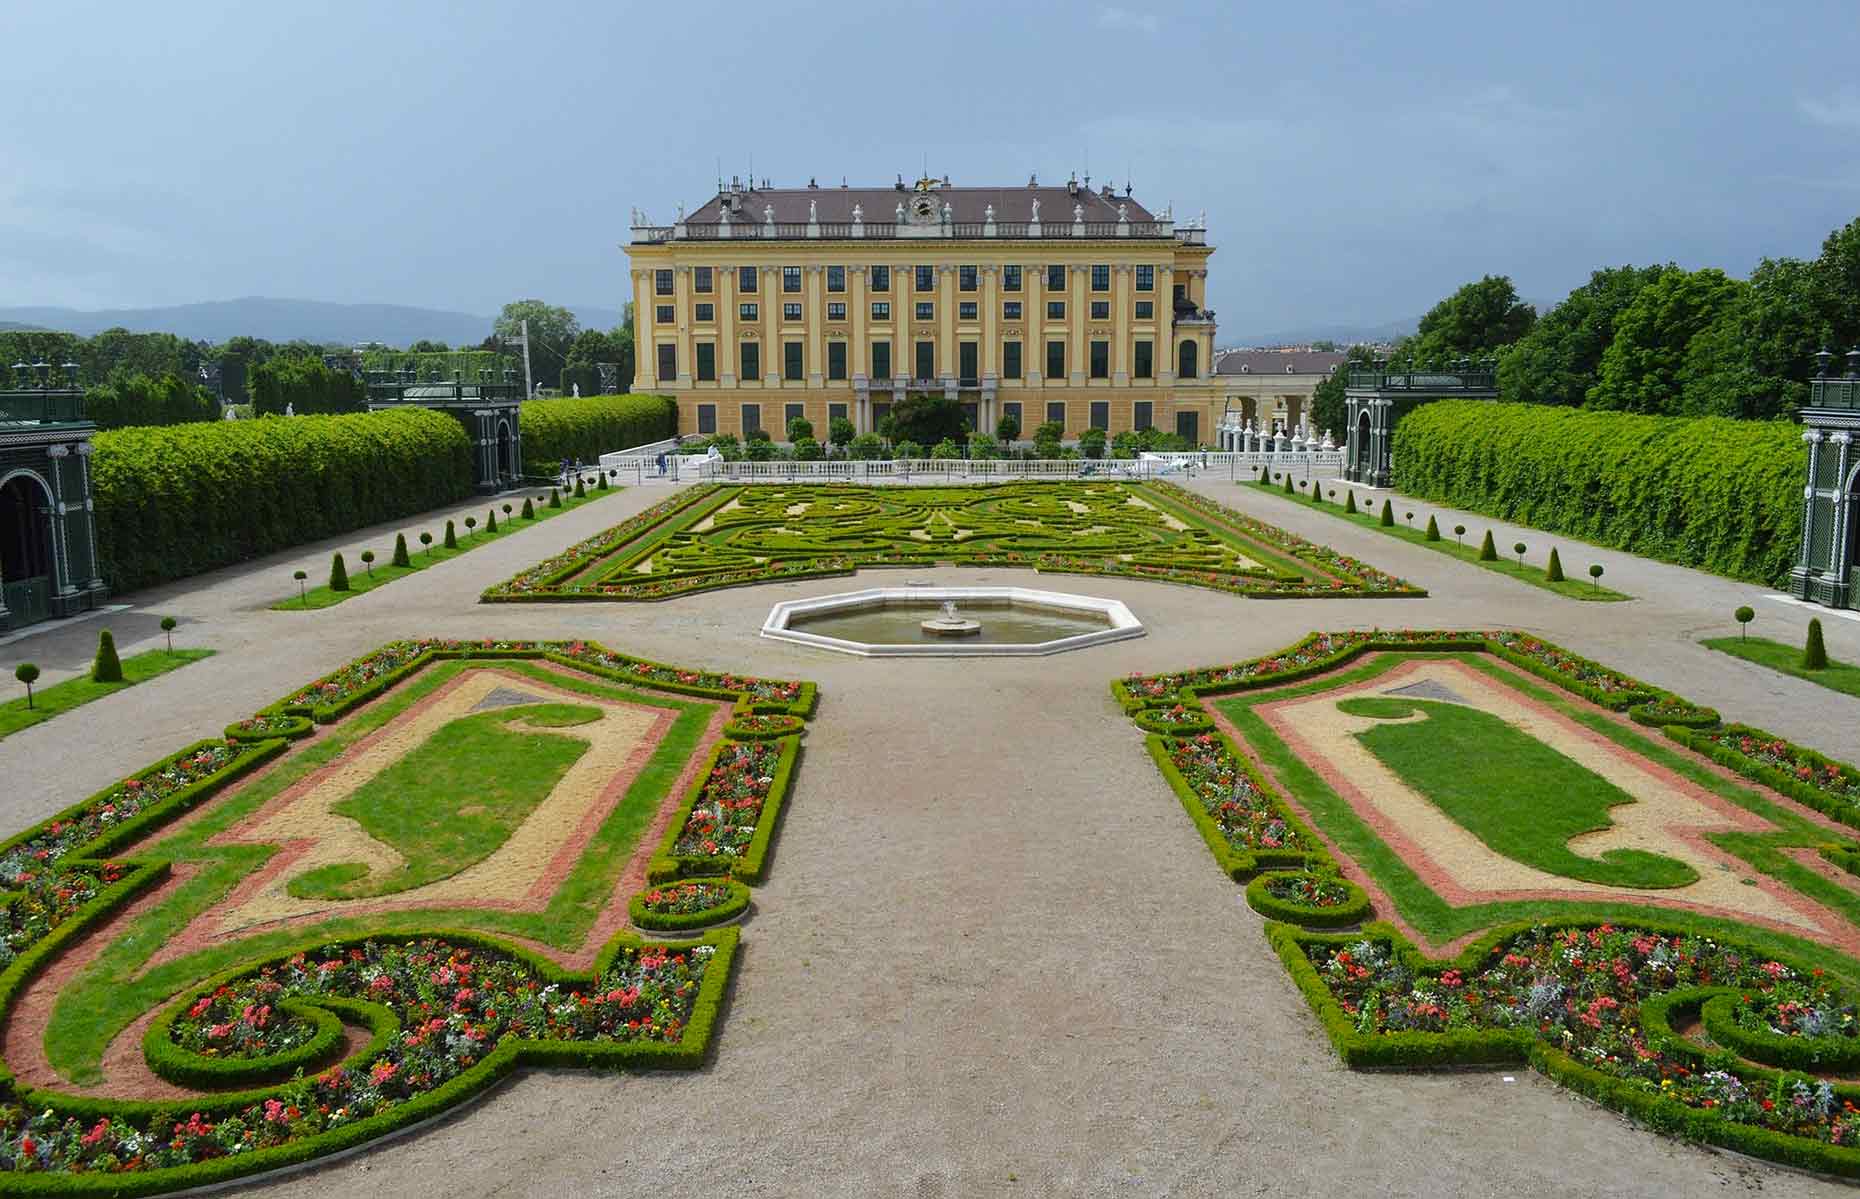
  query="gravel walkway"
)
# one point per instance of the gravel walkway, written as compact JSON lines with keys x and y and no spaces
{"x":993,"y":957}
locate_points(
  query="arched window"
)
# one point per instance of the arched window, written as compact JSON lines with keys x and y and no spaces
{"x":1185,"y":361}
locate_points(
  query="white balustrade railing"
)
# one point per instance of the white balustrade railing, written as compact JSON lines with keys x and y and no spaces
{"x":918,"y":470}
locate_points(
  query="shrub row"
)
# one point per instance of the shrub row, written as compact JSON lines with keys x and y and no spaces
{"x":176,"y":501}
{"x":1822,"y":783}
{"x":750,"y":865}
{"x":1720,"y":495}
{"x":554,"y":431}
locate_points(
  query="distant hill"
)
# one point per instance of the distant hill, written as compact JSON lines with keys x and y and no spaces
{"x":17,"y":327}
{"x":284,"y":320}
{"x":1343,"y":335}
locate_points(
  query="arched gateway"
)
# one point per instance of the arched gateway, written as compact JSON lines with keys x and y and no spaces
{"x":48,"y":547}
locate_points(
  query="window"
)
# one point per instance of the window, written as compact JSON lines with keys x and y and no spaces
{"x":966,"y":370}
{"x":1185,"y":361}
{"x":791,"y":312}
{"x":751,"y":417}
{"x":1010,"y":311}
{"x":1101,"y":414}
{"x":836,"y":412}
{"x":1140,"y":413}
{"x":1010,"y":360}
{"x":746,"y":312}
{"x":1056,"y":412}
{"x":1146,"y":310}
{"x":662,"y":283}
{"x":1012,"y":409}
{"x":879,"y":413}
{"x":881,"y":360}
{"x":707,"y":418}
{"x":881,"y":310}
{"x":668,"y":363}
{"x":1181,"y":292}
{"x":791,"y":278}
{"x":749,"y":362}
{"x":662,"y":313}
{"x":746,"y":278}
{"x":926,"y":360}
{"x":1101,"y":310}
{"x":1145,"y":364}
{"x":706,"y":313}
{"x":1055,"y":359}
{"x":792,"y":362}
{"x":1188,"y":427}
{"x":926,"y":311}
{"x":1010,"y":278}
{"x":881,"y":278}
{"x":1100,"y":279}
{"x":926,"y":278}
{"x":836,"y":310}
{"x":966,"y":278}
{"x":1101,"y":360}
{"x":836,"y":278}
{"x":707,"y":361}
{"x":1055,"y":278}
{"x":1146,"y":278}
{"x":701,"y":279}
{"x":836,"y":360}
{"x":965,"y":311}
{"x":790,"y":414}
{"x":1055,"y":310}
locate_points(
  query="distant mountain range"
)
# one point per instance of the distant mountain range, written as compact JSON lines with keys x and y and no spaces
{"x":284,"y":320}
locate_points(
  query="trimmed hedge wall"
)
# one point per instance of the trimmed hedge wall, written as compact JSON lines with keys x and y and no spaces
{"x":173,"y":502}
{"x":1720,"y":495}
{"x":557,"y":430}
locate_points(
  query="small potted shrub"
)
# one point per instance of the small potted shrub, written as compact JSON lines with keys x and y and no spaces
{"x":108,"y":668}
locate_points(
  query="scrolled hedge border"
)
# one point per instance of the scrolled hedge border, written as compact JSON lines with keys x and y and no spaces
{"x":1832,"y":806}
{"x":1670,"y":709}
{"x":792,"y":726}
{"x":752,"y":864}
{"x":1833,"y":1055}
{"x":292,"y":727}
{"x":1147,"y":720}
{"x":1238,"y":864}
{"x":179,"y":1066}
{"x":671,"y":922}
{"x":1353,"y":911}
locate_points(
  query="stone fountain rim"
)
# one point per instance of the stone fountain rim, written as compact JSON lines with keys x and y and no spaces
{"x":1122,"y":623}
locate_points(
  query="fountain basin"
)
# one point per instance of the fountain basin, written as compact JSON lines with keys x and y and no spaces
{"x":895,"y":622}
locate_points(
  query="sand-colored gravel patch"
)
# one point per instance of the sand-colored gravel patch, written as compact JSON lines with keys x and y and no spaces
{"x":1170,"y":521}
{"x":1667,"y":817}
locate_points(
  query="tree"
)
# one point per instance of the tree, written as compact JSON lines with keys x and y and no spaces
{"x":800,"y":427}
{"x":1473,"y":322}
{"x":168,"y":625}
{"x":1554,"y":571}
{"x":840,"y":432}
{"x":139,"y":399}
{"x":1091,"y":443}
{"x":1814,"y":650}
{"x":1008,"y":428}
{"x":400,"y":547}
{"x":590,"y":348}
{"x":27,"y":673}
{"x":946,"y":449}
{"x":1641,"y":367}
{"x":806,"y":449}
{"x":866,"y":446}
{"x":1558,"y":360}
{"x":1387,"y":518}
{"x":927,"y":418}
{"x":1433,"y":528}
{"x":981,"y":445}
{"x":305,"y":386}
{"x":1743,"y":616}
{"x":1755,"y":359}
{"x":1328,"y":410}
{"x":1488,"y":552}
{"x":1836,"y":286}
{"x":338,"y":573}
{"x":1324,"y":345}
{"x":368,"y":562}
{"x":1595,"y":576}
{"x":107,"y":668}
{"x":552,"y":333}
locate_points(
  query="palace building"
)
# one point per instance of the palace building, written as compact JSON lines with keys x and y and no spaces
{"x":1041,"y":303}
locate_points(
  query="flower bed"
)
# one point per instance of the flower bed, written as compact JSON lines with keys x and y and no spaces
{"x":1801,"y":1022}
{"x":549,"y":574}
{"x":1314,"y":898}
{"x":691,"y":904}
{"x":265,"y":726}
{"x":1178,"y":719}
{"x":1670,"y":709}
{"x":725,"y":825}
{"x":1242,"y":822}
{"x":1830,"y":787}
{"x":42,"y":897}
{"x":1313,"y":655}
{"x":763,"y":726}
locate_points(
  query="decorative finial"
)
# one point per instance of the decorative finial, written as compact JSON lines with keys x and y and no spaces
{"x":858,"y":214}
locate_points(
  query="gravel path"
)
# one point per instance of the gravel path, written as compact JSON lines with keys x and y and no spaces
{"x":993,"y":957}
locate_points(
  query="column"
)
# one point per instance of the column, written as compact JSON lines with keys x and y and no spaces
{"x":681,"y":309}
{"x":858,"y":351}
{"x":90,"y":516}
{"x":60,"y":552}
{"x":946,"y":321}
{"x":989,"y":359}
{"x":813,"y":279}
{"x":1033,"y":354}
{"x":769,"y":281}
{"x":1077,"y":309}
{"x":727,"y":299}
{"x":1120,"y":315}
{"x":645,"y":358}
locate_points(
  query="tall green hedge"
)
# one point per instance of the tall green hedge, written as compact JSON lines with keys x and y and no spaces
{"x":1721,"y":495}
{"x":176,"y":501}
{"x":586,"y":428}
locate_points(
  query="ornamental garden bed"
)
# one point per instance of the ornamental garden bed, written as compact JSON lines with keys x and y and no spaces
{"x":1554,"y":882}
{"x":462,"y":826}
{"x":726,"y":536}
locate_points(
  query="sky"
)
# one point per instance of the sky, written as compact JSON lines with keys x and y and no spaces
{"x":1357,"y":161}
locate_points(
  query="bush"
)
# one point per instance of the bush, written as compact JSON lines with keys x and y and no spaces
{"x":1554,"y":571}
{"x":555,"y":498}
{"x":176,"y":501}
{"x":866,"y":446}
{"x":529,"y":509}
{"x":581,"y":488}
{"x":1288,"y":482}
{"x":594,"y":425}
{"x":806,"y":449}
{"x":908,"y":449}
{"x":1349,"y":502}
{"x":1743,"y":616}
{"x":1388,"y":515}
{"x":945,"y":450}
{"x":108,"y":668}
{"x":452,"y":537}
{"x":490,"y":521}
{"x":400,"y":550}
{"x":1488,"y":551}
{"x":338,"y":573}
{"x":27,"y":673}
{"x":1721,"y":495}
{"x":1814,"y":653}
{"x":1091,"y":443}
{"x":1433,"y":531}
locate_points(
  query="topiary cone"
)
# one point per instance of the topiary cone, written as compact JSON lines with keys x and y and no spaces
{"x":555,"y":498}
{"x":529,"y":509}
{"x":1349,"y":503}
{"x":1288,"y":482}
{"x":108,"y":668}
{"x":1554,"y":571}
{"x":400,"y":550}
{"x":1488,"y":551}
{"x":1433,"y":528}
{"x":600,"y":481}
{"x":452,"y":537}
{"x":1814,"y":653}
{"x":581,"y":491}
{"x":338,"y":574}
{"x":1388,"y":515}
{"x":490,"y":524}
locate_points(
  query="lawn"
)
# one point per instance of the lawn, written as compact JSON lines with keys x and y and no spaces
{"x":1836,"y":676}
{"x":1579,"y":586}
{"x":48,"y":702}
{"x":364,"y":578}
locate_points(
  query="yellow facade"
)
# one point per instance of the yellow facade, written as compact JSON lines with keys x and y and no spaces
{"x":835,"y":318}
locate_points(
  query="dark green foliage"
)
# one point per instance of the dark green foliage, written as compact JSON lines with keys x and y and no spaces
{"x":600,"y":481}
{"x":306,"y":387}
{"x":1388,"y":515}
{"x":1640,"y":370}
{"x":1554,"y":571}
{"x":1814,"y":653}
{"x":581,"y":488}
{"x":1721,"y":495}
{"x":1006,"y":429}
{"x":800,"y":427}
{"x":555,"y":498}
{"x":1091,"y":443}
{"x":1349,"y":501}
{"x":27,"y":673}
{"x":1433,"y":534}
{"x":1288,"y":482}
{"x":1743,"y":616}
{"x":529,"y":509}
{"x":452,"y":537}
{"x":139,"y":399}
{"x":173,"y":502}
{"x":1473,"y":322}
{"x":168,"y":625}
{"x":1558,"y":360}
{"x":108,"y":668}
{"x":557,"y":430}
{"x":926,"y":418}
{"x":1488,"y":550}
{"x":490,"y":521}
{"x":806,"y":449}
{"x":338,"y":574}
{"x":400,"y":550}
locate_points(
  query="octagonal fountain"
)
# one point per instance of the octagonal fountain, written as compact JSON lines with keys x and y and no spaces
{"x":951,"y":622}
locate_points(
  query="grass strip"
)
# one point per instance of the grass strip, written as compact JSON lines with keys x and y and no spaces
{"x":50,"y":701}
{"x":1787,"y":659}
